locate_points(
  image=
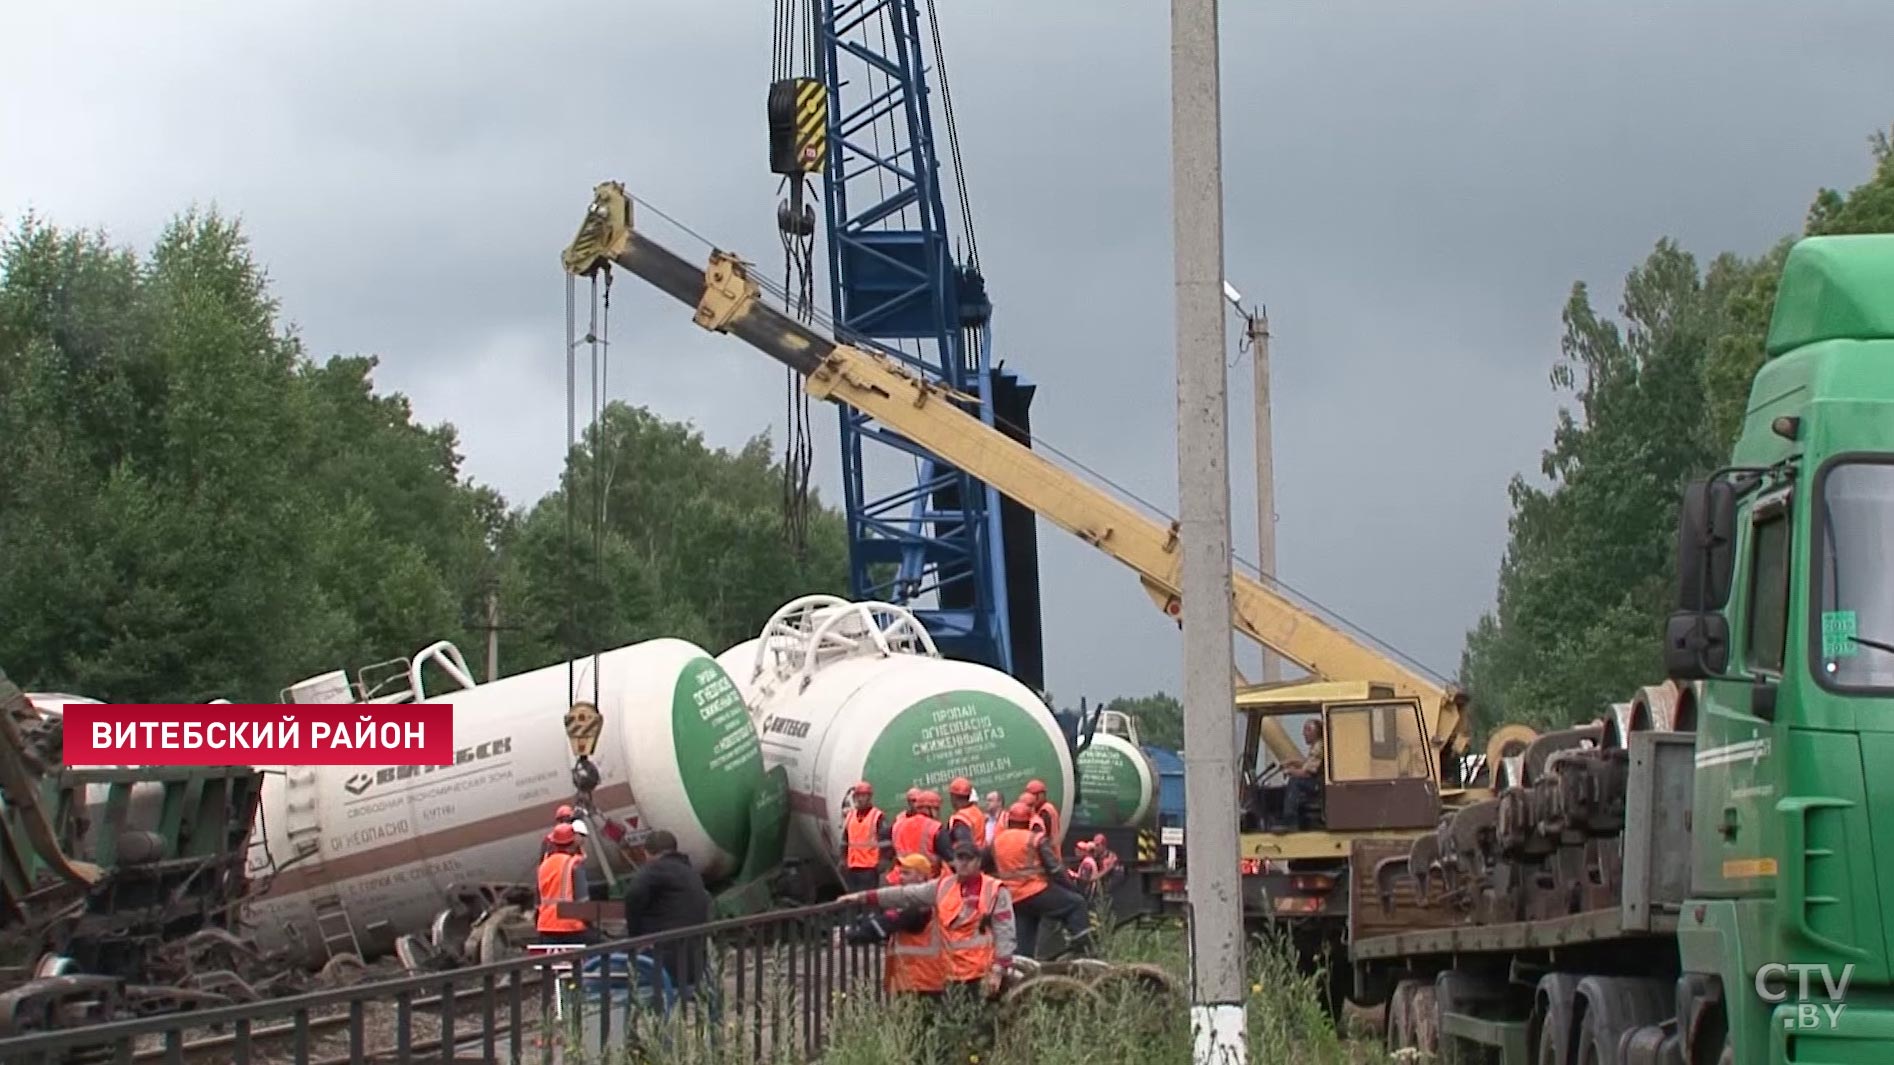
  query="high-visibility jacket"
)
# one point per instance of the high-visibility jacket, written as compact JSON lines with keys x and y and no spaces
{"x":1107,"y":863}
{"x":975,"y":819}
{"x":1047,"y":818}
{"x":916,"y":962}
{"x":1016,"y":859}
{"x":966,"y":931}
{"x":917,"y":834}
{"x":863,"y":839}
{"x":555,"y":887}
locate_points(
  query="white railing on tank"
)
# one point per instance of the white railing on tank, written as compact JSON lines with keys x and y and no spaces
{"x":806,"y":634}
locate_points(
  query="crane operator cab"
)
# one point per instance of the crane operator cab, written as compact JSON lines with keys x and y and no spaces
{"x":1363,"y":763}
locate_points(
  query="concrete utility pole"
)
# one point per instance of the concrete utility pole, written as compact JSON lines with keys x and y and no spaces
{"x":1256,"y":341}
{"x":1203,"y":486}
{"x":1256,"y":328}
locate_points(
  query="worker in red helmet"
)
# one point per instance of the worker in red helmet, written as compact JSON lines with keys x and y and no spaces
{"x":913,"y":807}
{"x":917,"y":834}
{"x":968,"y":824}
{"x":1044,"y":812}
{"x":562,"y":879}
{"x":1024,"y":859}
{"x":562,"y":816}
{"x":867,"y":839}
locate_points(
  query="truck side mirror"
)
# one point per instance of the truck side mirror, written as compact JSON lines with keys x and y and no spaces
{"x":1696,"y":645}
{"x":1706,"y":537}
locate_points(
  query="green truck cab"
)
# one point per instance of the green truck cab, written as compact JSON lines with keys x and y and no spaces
{"x":1786,"y":631}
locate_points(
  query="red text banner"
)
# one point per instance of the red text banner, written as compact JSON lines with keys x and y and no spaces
{"x":232,"y":734}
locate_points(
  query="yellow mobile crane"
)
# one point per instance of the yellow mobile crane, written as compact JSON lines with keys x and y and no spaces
{"x":1394,"y":737}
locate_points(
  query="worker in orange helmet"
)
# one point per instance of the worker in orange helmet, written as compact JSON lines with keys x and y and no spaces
{"x":562,"y":816}
{"x":914,"y":807}
{"x":968,"y":824}
{"x":1024,"y":859}
{"x":919,"y":833}
{"x":867,"y":839}
{"x":1044,"y":812}
{"x":1087,"y":872}
{"x":562,"y":879}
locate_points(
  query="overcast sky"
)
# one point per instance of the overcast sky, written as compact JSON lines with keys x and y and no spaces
{"x":1412,"y":189}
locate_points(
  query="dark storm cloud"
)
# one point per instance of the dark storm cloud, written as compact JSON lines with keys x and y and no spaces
{"x":1411,"y":188}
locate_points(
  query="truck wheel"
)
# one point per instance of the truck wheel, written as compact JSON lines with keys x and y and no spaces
{"x":1555,"y":1019}
{"x":1426,"y":1012}
{"x":1614,"y":1006}
{"x":1398,"y":1031}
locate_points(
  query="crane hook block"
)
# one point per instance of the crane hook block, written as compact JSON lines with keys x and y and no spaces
{"x":583,"y":725}
{"x":798,"y":126}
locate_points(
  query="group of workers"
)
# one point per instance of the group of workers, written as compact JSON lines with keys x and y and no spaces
{"x":957,"y":900}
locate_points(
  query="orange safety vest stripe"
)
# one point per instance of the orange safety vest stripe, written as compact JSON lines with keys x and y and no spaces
{"x":864,"y":846}
{"x":966,"y":934}
{"x":555,"y":887}
{"x":1016,"y":857}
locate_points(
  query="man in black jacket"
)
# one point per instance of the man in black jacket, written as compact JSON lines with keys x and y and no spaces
{"x":664,"y":895}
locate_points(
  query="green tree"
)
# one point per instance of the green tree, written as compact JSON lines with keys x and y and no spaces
{"x":189,"y":507}
{"x":1160,"y":718}
{"x":1586,"y":578}
{"x":690,"y":544}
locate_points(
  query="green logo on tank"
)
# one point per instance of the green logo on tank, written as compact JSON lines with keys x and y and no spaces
{"x":994,"y":742}
{"x":718,"y":756}
{"x":1109,"y":787}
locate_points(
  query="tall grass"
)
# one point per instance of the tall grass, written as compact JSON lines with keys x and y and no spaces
{"x":1126,"y":1022}
{"x":1122,"y":1021}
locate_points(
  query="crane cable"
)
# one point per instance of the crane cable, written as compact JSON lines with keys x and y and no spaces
{"x":584,"y":715}
{"x":792,"y":55}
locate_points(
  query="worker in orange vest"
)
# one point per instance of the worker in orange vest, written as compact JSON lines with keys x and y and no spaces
{"x":867,"y":841}
{"x":968,"y":824}
{"x":1025,"y":860}
{"x":1046,"y":813}
{"x":912,"y":963}
{"x":562,"y":879}
{"x":918,"y":834}
{"x":973,"y":917}
{"x":913,"y":808}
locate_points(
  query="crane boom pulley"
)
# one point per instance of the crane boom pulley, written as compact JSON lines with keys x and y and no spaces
{"x":726,"y":300}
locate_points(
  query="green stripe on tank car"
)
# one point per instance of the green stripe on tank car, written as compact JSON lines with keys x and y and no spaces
{"x":719,"y":760}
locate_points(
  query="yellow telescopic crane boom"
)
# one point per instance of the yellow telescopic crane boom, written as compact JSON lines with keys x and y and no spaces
{"x":727,"y":300}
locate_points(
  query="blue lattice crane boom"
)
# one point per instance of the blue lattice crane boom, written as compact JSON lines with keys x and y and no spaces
{"x":852,"y":102}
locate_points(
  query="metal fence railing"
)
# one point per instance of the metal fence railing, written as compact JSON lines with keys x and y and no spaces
{"x":766,"y":987}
